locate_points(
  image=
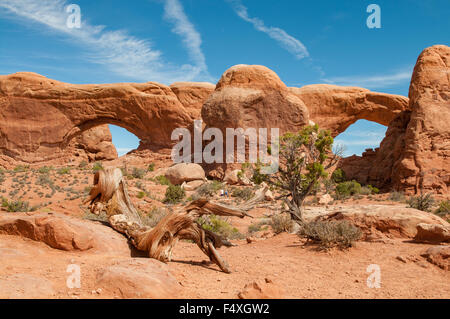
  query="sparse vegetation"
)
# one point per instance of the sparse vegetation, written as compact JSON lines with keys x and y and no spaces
{"x":242,"y":193}
{"x":141,"y":194}
{"x":174,"y":194}
{"x":162,"y":180}
{"x":151,"y":167}
{"x":396,"y":196}
{"x":422,"y":202}
{"x":256,"y":227}
{"x":97,"y":166}
{"x":208,"y":189}
{"x":154,"y":216}
{"x":220,"y":226}
{"x":331,"y":233}
{"x":138,"y":172}
{"x":346,"y":189}
{"x":443,"y":209}
{"x":64,"y":171}
{"x":281,"y":223}
{"x":338,"y":176}
{"x":17,"y":205}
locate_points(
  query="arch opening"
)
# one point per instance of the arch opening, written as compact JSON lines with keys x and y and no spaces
{"x":123,"y":140}
{"x":360,"y":136}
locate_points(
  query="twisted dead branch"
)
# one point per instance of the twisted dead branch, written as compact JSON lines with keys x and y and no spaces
{"x":110,"y":195}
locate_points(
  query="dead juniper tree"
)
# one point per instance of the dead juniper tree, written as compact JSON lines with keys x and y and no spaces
{"x":110,"y":195}
{"x":303,"y":159}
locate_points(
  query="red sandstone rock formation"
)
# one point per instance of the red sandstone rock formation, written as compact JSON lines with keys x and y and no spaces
{"x":415,"y":154}
{"x":39,"y":117}
{"x":192,"y":95}
{"x":94,"y":144}
{"x":335,"y":107}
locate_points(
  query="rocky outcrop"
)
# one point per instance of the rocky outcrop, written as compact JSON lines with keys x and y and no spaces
{"x":433,"y":233}
{"x":385,"y":220}
{"x":185,"y":172}
{"x":138,"y":278}
{"x":415,"y":154}
{"x":439,"y":256}
{"x":335,"y":108}
{"x":253,"y":96}
{"x":192,"y":95}
{"x":39,"y":117}
{"x":65,"y":233}
{"x":94,"y":144}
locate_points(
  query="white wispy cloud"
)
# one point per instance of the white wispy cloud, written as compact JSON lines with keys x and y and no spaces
{"x":373,"y":82}
{"x":120,"y":52}
{"x":291,"y":44}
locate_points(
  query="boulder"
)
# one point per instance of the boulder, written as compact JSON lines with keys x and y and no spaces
{"x":236,"y":177}
{"x":185,"y":172}
{"x":393,"y":221}
{"x":433,"y":233}
{"x":64,"y":232}
{"x":253,"y":96}
{"x":193,"y":185}
{"x":261,"y":289}
{"x":138,"y":278}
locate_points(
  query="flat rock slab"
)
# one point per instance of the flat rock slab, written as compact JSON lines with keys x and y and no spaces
{"x":64,"y":232}
{"x":138,"y":278}
{"x":24,"y":286}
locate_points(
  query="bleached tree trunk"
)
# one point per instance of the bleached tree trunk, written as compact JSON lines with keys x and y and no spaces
{"x":110,"y":195}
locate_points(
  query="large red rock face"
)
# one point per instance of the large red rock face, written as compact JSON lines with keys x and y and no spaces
{"x":415,"y":154}
{"x":39,"y":117}
{"x":335,"y":108}
{"x":253,"y":96}
{"x":425,"y":161}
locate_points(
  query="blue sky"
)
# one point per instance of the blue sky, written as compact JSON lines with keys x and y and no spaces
{"x":304,"y":42}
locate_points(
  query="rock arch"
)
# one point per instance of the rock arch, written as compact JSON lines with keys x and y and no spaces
{"x":39,"y":116}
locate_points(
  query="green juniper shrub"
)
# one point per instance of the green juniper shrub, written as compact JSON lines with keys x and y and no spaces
{"x":219,"y":226}
{"x":244,"y":194}
{"x":338,"y":176}
{"x":346,"y":189}
{"x":151,"y":167}
{"x":443,"y":209}
{"x":174,"y":194}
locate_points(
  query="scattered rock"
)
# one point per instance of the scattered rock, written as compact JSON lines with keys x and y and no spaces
{"x":261,"y":290}
{"x":402,"y":259}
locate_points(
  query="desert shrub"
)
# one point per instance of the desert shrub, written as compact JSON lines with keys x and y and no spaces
{"x":17,"y":205}
{"x":243,"y":193}
{"x":219,"y":226}
{"x":373,"y":189}
{"x":162,"y":180}
{"x":422,"y":202}
{"x":255,"y":227}
{"x":443,"y":209}
{"x":331,"y":233}
{"x":208,"y":189}
{"x":174,"y":194}
{"x":21,"y":168}
{"x":151,"y":167}
{"x":82,"y":164}
{"x":102,"y":217}
{"x":338,"y":176}
{"x":396,"y":196}
{"x":346,"y":189}
{"x":64,"y":171}
{"x":44,"y":170}
{"x":141,"y":194}
{"x":281,"y":223}
{"x":329,"y":185}
{"x":138,"y":172}
{"x":97,"y":166}
{"x":153,"y":217}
